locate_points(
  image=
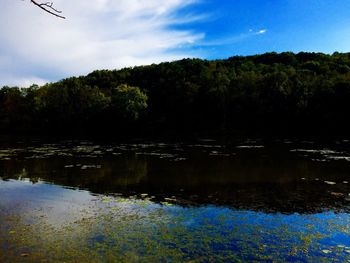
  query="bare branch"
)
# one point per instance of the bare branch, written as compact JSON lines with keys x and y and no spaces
{"x":48,"y":7}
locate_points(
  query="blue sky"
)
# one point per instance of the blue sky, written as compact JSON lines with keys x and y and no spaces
{"x":110,"y":34}
{"x":289,"y":25}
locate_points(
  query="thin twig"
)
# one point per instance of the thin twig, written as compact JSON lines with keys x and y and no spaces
{"x":48,"y":7}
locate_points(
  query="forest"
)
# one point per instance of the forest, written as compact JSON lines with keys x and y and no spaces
{"x":273,"y":94}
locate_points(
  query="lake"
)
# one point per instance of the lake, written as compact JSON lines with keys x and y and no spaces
{"x":198,"y":201}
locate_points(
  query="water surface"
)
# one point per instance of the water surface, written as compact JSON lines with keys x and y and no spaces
{"x":199,"y":202}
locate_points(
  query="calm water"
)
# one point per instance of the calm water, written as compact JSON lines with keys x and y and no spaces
{"x":83,"y":201}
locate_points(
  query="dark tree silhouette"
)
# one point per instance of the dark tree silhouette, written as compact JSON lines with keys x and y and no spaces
{"x":275,"y":95}
{"x":49,"y":8}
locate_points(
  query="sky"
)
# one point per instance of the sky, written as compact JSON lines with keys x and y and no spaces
{"x":36,"y":47}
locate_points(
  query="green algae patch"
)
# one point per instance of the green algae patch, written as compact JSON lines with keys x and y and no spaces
{"x":42,"y":222}
{"x":139,"y":230}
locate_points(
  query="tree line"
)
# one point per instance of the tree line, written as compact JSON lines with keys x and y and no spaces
{"x":271,"y":94}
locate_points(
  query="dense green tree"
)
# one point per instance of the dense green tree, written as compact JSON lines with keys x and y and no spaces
{"x":268,"y":94}
{"x":128,"y":102}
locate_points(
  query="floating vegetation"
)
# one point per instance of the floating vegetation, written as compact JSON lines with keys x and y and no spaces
{"x":156,"y":202}
{"x":106,"y":199}
{"x":207,"y":146}
{"x":121,"y":229}
{"x":217,"y":153}
{"x":91,"y":166}
{"x":339,"y":158}
{"x":325,"y":155}
{"x":250,"y":146}
{"x":160,"y":155}
{"x":337,"y":194}
{"x":180,"y":159}
{"x":83,"y":150}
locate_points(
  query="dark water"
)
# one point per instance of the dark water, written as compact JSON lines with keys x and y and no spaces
{"x":205,"y":201}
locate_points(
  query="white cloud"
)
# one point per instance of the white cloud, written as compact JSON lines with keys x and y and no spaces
{"x":98,"y":34}
{"x":231,"y":39}
{"x":261,"y":32}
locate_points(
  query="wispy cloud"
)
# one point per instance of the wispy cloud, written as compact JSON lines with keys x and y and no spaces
{"x":261,"y":32}
{"x":230,"y":39}
{"x":35,"y":46}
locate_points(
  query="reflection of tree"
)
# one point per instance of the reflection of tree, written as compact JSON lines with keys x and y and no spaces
{"x":110,"y":175}
{"x":11,"y":170}
{"x":137,"y":170}
{"x":245,"y":182}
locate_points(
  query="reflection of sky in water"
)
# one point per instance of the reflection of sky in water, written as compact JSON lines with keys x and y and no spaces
{"x":118,"y":226}
{"x":46,"y":221}
{"x":25,"y":191}
{"x":54,"y":202}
